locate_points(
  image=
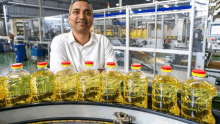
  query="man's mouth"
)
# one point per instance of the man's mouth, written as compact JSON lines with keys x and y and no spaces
{"x":82,"y":22}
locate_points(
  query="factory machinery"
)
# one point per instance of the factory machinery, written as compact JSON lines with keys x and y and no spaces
{"x":172,"y":33}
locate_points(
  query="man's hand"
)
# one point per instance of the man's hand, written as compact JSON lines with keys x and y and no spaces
{"x":100,"y":70}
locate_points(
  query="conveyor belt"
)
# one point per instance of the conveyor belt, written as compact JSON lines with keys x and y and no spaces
{"x":84,"y":111}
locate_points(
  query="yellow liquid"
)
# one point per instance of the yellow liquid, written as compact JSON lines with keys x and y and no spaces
{"x":135,"y":89}
{"x":145,"y":33}
{"x":66,"y":84}
{"x":135,"y":34}
{"x":42,"y":86}
{"x":2,"y":91}
{"x":164,"y":94}
{"x":139,"y":33}
{"x":17,"y":88}
{"x":89,"y":83}
{"x":196,"y":101}
{"x":132,"y":33}
{"x":111,"y":87}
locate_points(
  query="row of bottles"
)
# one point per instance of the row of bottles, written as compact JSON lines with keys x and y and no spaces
{"x":139,"y":33}
{"x":196,"y":96}
{"x":135,"y":33}
{"x":20,"y":87}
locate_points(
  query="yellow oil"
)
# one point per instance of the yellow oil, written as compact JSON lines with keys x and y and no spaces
{"x":2,"y":91}
{"x":164,"y":94}
{"x":66,"y":86}
{"x":144,"y":33}
{"x":17,"y":88}
{"x":139,"y":33}
{"x":42,"y":82}
{"x":132,"y":33}
{"x":135,"y":89}
{"x":196,"y":100}
{"x":111,"y":87}
{"x":89,"y":83}
{"x":135,"y":33}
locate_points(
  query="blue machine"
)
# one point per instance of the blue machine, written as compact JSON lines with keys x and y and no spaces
{"x":20,"y":52}
{"x":36,"y":52}
{"x":3,"y":47}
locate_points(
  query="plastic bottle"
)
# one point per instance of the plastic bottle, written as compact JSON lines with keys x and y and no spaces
{"x":89,"y":83}
{"x":196,"y":98}
{"x":111,"y":84}
{"x":17,"y":86}
{"x":132,"y":33}
{"x":135,"y":34}
{"x":135,"y":87}
{"x":66,"y":83}
{"x":2,"y":91}
{"x":42,"y":82}
{"x":144,"y":33}
{"x":139,"y":33}
{"x":164,"y":92}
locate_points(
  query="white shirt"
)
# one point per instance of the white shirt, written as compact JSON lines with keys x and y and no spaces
{"x":65,"y":48}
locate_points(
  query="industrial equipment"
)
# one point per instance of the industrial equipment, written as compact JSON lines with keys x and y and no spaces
{"x":212,"y":62}
{"x":213,"y":36}
{"x":87,"y":111}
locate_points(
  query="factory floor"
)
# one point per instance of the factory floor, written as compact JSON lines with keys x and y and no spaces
{"x":8,"y":58}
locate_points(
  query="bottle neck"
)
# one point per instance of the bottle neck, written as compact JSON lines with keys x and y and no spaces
{"x":166,"y":73}
{"x":111,"y":69}
{"x":198,"y":78}
{"x":65,"y":67}
{"x":42,"y":68}
{"x":15,"y":70}
{"x":136,"y":70}
{"x":88,"y":67}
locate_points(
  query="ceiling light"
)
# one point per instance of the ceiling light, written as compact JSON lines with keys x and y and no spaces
{"x":117,"y":4}
{"x":166,"y":6}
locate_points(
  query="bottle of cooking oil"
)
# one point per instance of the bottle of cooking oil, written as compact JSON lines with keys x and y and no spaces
{"x":89,"y":83}
{"x":164,"y":92}
{"x":111,"y":80}
{"x":139,"y":33}
{"x":135,"y":87}
{"x":2,"y":91}
{"x":66,"y":83}
{"x":135,"y":33}
{"x":42,"y":82}
{"x":144,"y":33}
{"x":196,"y":98}
{"x":17,"y":86}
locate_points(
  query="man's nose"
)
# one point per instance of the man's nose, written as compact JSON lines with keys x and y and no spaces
{"x":82,"y":15}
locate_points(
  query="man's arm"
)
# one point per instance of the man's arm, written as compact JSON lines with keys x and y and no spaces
{"x":57,"y":54}
{"x":109,"y":53}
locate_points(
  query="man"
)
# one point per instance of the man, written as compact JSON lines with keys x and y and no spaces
{"x":80,"y":44}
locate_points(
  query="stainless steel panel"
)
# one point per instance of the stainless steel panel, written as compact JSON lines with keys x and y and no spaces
{"x":88,"y":110}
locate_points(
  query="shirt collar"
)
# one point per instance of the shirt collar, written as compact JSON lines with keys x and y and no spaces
{"x":93,"y":37}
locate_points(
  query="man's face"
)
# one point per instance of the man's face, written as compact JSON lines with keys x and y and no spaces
{"x":81,"y":18}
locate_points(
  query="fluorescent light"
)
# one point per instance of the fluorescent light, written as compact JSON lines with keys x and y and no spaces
{"x":166,"y":6}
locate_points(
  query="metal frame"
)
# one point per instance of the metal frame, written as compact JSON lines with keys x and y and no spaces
{"x":128,"y":15}
{"x":127,"y":49}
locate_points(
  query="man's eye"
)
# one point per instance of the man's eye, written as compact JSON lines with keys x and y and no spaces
{"x":88,"y":13}
{"x":75,"y":12}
